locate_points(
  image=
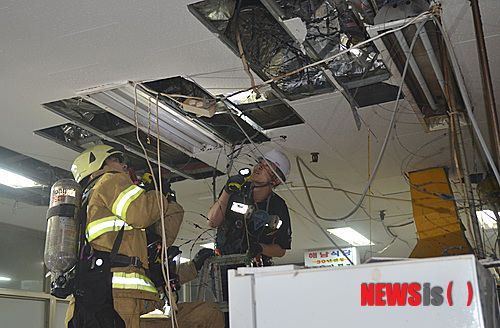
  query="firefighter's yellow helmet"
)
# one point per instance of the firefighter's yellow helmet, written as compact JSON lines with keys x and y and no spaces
{"x":91,"y":160}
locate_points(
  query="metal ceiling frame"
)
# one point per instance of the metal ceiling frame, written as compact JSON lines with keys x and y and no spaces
{"x":429,"y":123}
{"x":180,"y":132}
{"x":105,"y":136}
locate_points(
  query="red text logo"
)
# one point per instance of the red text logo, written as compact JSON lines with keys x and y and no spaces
{"x":412,"y":294}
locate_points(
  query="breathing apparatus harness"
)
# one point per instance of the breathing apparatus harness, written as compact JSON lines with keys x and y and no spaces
{"x":93,"y":278}
{"x":90,"y":279}
{"x":155,"y":272}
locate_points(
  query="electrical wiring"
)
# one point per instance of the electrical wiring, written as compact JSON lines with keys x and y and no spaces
{"x":402,"y":146}
{"x":408,"y":158}
{"x":283,"y":182}
{"x":400,"y":225}
{"x":210,"y":75}
{"x":465,"y":97}
{"x":395,"y":237}
{"x":195,"y":240}
{"x":437,"y":225}
{"x":166,"y":274}
{"x":386,"y":247}
{"x":392,"y":234}
{"x":409,"y":112}
{"x":351,"y":192}
{"x":306,"y":188}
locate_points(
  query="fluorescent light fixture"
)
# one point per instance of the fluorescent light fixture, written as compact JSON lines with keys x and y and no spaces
{"x":175,"y":128}
{"x":208,"y":245}
{"x":487,"y":219}
{"x":351,"y":236}
{"x":15,"y":180}
{"x":5,"y":279}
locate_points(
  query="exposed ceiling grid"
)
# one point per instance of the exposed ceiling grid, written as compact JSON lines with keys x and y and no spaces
{"x":52,"y":49}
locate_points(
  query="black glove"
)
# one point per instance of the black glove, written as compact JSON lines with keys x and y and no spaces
{"x":234,"y":184}
{"x":255,"y":249}
{"x":202,"y":256}
{"x":148,"y":183}
{"x":168,"y":192}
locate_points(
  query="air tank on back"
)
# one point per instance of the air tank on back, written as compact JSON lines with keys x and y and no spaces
{"x":61,"y":243}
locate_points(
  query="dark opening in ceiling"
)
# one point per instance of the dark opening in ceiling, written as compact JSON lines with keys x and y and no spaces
{"x":280,"y":37}
{"x":377,"y":93}
{"x":429,"y":84}
{"x":33,"y":169}
{"x":94,"y":125}
{"x":267,"y":110}
{"x":221,"y":123}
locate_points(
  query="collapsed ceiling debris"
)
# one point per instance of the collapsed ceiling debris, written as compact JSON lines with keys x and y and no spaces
{"x":272,"y":50}
{"x":308,"y":47}
{"x":158,"y":109}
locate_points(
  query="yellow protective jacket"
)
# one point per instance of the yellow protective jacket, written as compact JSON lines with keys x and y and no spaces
{"x":114,"y":202}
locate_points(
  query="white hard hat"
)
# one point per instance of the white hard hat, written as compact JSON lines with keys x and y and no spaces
{"x":282,"y":163}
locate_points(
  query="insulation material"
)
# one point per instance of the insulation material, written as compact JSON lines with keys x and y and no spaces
{"x":271,"y":52}
{"x":434,"y":211}
{"x":268,"y":111}
{"x":220,"y":124}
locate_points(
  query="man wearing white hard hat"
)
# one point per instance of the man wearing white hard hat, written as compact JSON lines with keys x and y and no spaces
{"x":267,"y":232}
{"x":250,"y":218}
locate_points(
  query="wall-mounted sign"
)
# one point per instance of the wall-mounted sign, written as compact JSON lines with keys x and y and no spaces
{"x":330,"y":257}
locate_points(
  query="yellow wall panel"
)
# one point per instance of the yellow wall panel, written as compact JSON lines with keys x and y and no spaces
{"x":435,"y":214}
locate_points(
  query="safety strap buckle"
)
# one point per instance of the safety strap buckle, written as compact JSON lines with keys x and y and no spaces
{"x":135,"y":261}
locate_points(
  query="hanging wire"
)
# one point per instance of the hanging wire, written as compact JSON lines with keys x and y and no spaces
{"x":425,"y":14}
{"x":299,"y":161}
{"x":166,"y":275}
{"x":468,"y":106}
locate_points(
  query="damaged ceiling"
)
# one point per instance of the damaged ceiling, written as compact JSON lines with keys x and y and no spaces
{"x":250,"y":65}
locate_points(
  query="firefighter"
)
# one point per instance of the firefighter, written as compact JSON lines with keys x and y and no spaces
{"x":254,"y":235}
{"x":234,"y":235}
{"x":118,"y":213}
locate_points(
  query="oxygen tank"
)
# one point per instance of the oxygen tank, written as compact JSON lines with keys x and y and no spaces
{"x":61,"y":243}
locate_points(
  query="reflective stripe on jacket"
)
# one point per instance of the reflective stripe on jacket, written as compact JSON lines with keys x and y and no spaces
{"x":132,"y":281}
{"x":123,"y":201}
{"x":111,"y":223}
{"x":115,"y":202}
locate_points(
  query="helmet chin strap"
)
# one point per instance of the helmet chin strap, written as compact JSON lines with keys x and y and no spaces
{"x":264,"y":185}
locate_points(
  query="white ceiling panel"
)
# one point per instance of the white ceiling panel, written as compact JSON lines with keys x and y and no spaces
{"x":51,"y":49}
